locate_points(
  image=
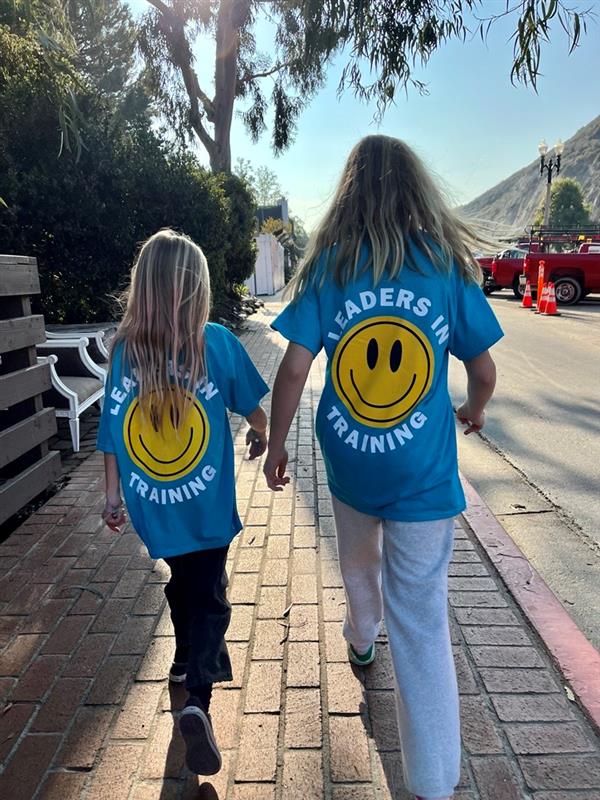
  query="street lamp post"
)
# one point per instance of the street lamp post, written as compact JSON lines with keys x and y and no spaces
{"x":550,"y":165}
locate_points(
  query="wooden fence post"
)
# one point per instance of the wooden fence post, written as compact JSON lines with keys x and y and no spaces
{"x":27,"y":466}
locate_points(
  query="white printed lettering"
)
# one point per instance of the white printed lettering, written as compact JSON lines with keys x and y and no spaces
{"x":377,"y":444}
{"x":352,"y":439}
{"x":351,"y":309}
{"x":403,"y":434}
{"x":341,"y":320}
{"x":196,"y":486}
{"x":175,"y":495}
{"x":333,"y":413}
{"x":443,"y":334}
{"x":367,"y":300}
{"x":118,"y":396}
{"x":208,"y":389}
{"x":418,"y":419}
{"x":208,"y":473}
{"x":386,"y":297}
{"x":421,"y":309}
{"x":340,"y":426}
{"x":404,"y":299}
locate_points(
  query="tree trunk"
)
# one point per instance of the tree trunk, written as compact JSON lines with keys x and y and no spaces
{"x":233,"y":15}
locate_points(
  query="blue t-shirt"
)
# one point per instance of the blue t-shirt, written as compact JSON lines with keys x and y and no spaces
{"x":179,"y":481}
{"x":385,"y":421}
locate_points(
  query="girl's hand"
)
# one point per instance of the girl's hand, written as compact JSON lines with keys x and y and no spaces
{"x":257,"y":442}
{"x":474,"y":422}
{"x":114,"y":514}
{"x":274,"y":469}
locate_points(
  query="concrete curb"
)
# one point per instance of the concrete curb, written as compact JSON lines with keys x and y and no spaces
{"x":575,"y":656}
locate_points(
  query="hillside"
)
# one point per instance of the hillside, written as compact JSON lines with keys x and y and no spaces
{"x":512,"y":203}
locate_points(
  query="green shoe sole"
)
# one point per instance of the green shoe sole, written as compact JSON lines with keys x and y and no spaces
{"x":361,"y":660}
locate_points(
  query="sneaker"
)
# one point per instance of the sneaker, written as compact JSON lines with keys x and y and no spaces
{"x":361,"y":659}
{"x":202,"y":754}
{"x":178,"y":672}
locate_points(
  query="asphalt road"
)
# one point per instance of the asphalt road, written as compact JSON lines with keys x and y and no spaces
{"x":539,"y":465}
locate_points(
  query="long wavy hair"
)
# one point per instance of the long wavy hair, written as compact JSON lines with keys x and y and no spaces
{"x":386,"y":199}
{"x":167,"y":305}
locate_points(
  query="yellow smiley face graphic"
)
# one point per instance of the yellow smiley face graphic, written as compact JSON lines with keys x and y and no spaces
{"x":381,"y":369}
{"x":167,"y":451}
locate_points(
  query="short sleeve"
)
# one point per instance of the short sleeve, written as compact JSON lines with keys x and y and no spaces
{"x":475,"y":327}
{"x":300,"y":321}
{"x":104,"y":441}
{"x":244,"y":387}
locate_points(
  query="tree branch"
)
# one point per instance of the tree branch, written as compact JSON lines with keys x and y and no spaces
{"x":182,"y":58}
{"x":207,"y":103}
{"x":162,"y":7}
{"x":272,"y":71}
{"x":203,"y":134}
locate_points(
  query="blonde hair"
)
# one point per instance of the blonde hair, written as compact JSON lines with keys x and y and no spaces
{"x":162,"y":330}
{"x":386,"y":199}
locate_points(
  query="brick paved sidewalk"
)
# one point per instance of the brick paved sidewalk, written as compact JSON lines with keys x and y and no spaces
{"x":86,"y":711}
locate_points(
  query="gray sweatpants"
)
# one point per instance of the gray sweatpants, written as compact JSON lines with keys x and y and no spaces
{"x":399,"y":570}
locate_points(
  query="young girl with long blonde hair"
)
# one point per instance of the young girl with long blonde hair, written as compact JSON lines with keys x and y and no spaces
{"x":165,"y":435}
{"x":389,"y":288}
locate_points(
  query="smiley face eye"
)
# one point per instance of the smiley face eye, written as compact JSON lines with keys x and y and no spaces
{"x":372,"y":353}
{"x":395,"y":356}
{"x":174,"y":417}
{"x":155,"y":418}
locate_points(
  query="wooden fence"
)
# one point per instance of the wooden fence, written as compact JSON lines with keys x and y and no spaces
{"x":27,"y":466}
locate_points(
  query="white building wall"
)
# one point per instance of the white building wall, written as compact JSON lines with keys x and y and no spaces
{"x":268,"y":277}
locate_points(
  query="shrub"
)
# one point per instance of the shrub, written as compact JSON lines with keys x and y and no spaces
{"x":84,"y":219}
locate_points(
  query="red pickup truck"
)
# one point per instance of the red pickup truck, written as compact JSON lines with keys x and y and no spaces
{"x":487,"y":282}
{"x":574,"y":275}
{"x":507,"y":266}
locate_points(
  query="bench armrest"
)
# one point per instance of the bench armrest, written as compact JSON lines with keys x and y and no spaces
{"x":72,"y":358}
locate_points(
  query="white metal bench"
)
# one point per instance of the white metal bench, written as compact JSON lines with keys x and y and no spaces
{"x":96,"y":348}
{"x":77,"y":381}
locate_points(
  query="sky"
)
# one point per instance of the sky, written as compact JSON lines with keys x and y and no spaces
{"x":473,"y":128}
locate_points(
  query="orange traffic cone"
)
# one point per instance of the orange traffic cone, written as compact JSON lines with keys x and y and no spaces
{"x":527,"y":301}
{"x":542,"y":301}
{"x":551,"y":310}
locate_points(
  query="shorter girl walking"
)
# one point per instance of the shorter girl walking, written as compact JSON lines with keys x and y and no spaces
{"x":166,"y":439}
{"x":390,"y":289}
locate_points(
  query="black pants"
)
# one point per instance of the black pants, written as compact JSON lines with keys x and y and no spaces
{"x":200,"y":611}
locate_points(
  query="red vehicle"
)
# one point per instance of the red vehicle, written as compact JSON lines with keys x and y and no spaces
{"x":507,"y":266}
{"x":575,"y":272}
{"x":574,"y":275}
{"x":487,"y":283}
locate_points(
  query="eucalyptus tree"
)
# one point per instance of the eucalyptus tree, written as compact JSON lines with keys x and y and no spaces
{"x":379,"y":44}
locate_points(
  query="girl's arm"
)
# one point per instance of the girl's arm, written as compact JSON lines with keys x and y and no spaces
{"x":287,"y":391}
{"x":257,"y":435}
{"x":481,"y":374}
{"x":113,"y":514}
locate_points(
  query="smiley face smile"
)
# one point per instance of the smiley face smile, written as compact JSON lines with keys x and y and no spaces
{"x":169,"y":448}
{"x":381,"y":369}
{"x":172,"y":460}
{"x":382,"y":405}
